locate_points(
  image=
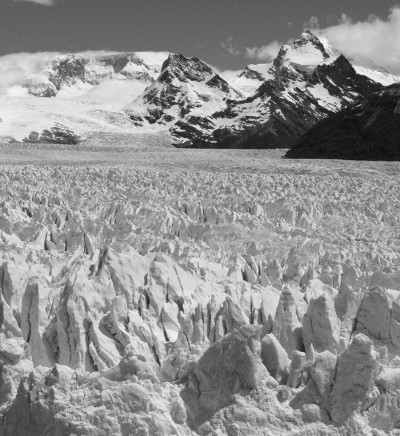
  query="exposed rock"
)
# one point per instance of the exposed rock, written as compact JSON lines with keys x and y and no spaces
{"x":185,"y":86}
{"x":71,"y":70}
{"x":367,"y":130}
{"x":285,"y":106}
{"x":58,"y":134}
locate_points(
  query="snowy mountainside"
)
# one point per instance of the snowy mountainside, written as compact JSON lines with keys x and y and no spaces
{"x":368,"y":68}
{"x":74,"y":96}
{"x":251,"y":78}
{"x":266,"y":105}
{"x":186,"y":86}
{"x":368,"y":130}
{"x":310,"y":81}
{"x":81,"y":71}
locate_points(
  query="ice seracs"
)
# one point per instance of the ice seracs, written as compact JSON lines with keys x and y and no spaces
{"x":180,"y":301}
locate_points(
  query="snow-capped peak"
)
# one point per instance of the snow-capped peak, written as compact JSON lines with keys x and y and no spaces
{"x":306,"y":50}
{"x":186,"y":86}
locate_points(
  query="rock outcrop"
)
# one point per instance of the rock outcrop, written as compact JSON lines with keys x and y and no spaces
{"x":367,"y":130}
{"x":58,"y":134}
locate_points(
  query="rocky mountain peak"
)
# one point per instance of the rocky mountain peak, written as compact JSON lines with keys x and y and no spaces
{"x":186,"y":86}
{"x":308,"y":38}
{"x":177,"y":65}
{"x":306,"y":50}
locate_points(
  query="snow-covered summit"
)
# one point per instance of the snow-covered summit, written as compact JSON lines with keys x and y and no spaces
{"x":306,"y":50}
{"x":293,"y":64}
{"x":186,"y":86}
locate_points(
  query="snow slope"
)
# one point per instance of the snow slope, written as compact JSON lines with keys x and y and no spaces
{"x":251,"y":78}
{"x":83,"y":93}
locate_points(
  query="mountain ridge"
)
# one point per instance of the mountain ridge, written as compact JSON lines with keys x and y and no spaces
{"x":367,"y":130}
{"x":264,"y":106}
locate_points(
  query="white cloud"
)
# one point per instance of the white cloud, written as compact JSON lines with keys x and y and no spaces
{"x":229,"y":46}
{"x":265,"y":53}
{"x":16,"y":67}
{"x":377,"y":39}
{"x":40,"y":2}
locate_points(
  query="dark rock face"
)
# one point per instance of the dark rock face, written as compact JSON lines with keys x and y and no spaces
{"x":277,"y":116}
{"x":341,"y":80}
{"x":251,"y":74}
{"x":369,"y":130}
{"x":56,"y":135}
{"x":68,"y":70}
{"x":275,"y":123}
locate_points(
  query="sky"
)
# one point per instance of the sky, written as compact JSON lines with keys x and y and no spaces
{"x":228,"y":34}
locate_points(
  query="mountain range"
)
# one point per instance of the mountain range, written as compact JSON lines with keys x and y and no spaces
{"x":269,"y":105}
